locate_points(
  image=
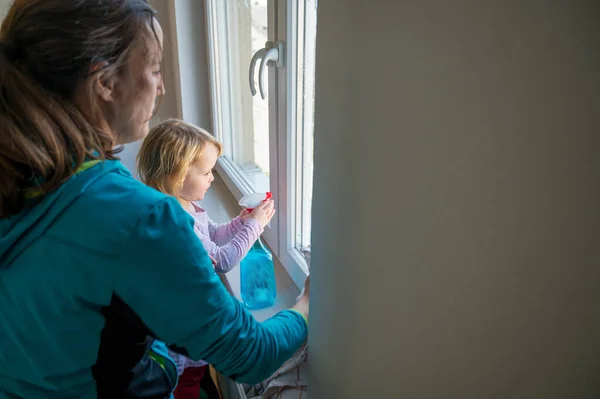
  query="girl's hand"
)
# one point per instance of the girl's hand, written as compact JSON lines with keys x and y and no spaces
{"x":244,"y":215}
{"x":263,"y":213}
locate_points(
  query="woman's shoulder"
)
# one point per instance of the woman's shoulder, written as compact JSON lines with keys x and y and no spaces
{"x":115,"y":195}
{"x":100,"y":208}
{"x":113,"y":182}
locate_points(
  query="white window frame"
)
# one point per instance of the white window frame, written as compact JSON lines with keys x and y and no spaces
{"x":282,"y":97}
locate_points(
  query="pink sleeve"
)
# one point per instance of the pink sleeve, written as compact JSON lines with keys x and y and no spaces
{"x":221,"y":234}
{"x":231,"y":253}
{"x":182,"y":362}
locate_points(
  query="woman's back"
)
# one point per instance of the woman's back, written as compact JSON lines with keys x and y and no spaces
{"x":58,"y":262}
{"x":98,"y":266}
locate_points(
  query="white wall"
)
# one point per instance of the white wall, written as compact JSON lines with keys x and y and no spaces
{"x":456,"y":208}
{"x":190,"y":26}
{"x":4,"y":7}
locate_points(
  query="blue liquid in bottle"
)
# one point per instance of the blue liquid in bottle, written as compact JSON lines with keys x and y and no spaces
{"x":257,"y":277}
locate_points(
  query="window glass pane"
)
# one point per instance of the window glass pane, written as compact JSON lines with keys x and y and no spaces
{"x":307,"y":31}
{"x":260,"y":107}
{"x":241,"y":30}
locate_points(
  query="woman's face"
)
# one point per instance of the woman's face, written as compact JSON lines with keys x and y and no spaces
{"x":135,"y":92}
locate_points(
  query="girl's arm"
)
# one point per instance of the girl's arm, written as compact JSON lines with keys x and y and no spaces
{"x":232,"y":252}
{"x":221,"y":234}
{"x":166,"y":277}
{"x":182,"y":362}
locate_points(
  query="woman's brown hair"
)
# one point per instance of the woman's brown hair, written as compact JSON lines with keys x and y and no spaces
{"x":49,"y":49}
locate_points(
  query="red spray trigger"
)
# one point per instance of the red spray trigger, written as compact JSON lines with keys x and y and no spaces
{"x":251,"y":201}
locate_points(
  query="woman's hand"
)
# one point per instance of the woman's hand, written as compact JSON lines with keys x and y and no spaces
{"x":302,"y":304}
{"x":306,"y":286}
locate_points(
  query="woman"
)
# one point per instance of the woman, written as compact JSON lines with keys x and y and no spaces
{"x":93,"y":262}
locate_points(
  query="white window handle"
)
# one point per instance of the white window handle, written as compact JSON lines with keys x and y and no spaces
{"x":271,"y":52}
{"x":259,"y":54}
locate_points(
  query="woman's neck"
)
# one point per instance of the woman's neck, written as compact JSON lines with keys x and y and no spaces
{"x":187,"y":205}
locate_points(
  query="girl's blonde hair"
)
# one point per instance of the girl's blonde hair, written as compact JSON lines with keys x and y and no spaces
{"x":168,"y":151}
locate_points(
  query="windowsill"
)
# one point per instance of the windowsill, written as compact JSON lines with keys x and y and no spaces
{"x":253,"y":179}
{"x":222,"y":207}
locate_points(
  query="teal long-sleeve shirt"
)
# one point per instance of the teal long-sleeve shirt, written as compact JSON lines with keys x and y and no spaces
{"x":102,"y":239}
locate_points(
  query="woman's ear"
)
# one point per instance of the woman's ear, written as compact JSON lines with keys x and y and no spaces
{"x":103,"y":83}
{"x":103,"y":87}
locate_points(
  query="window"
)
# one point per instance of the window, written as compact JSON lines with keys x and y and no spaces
{"x":305,"y":97}
{"x":238,"y":30}
{"x":268,"y":142}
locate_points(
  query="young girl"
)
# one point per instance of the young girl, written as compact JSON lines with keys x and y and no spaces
{"x":177,"y":158}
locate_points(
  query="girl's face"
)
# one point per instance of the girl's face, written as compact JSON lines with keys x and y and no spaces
{"x":200,"y":175}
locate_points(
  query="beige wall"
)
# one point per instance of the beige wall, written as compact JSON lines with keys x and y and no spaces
{"x":457,"y":200}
